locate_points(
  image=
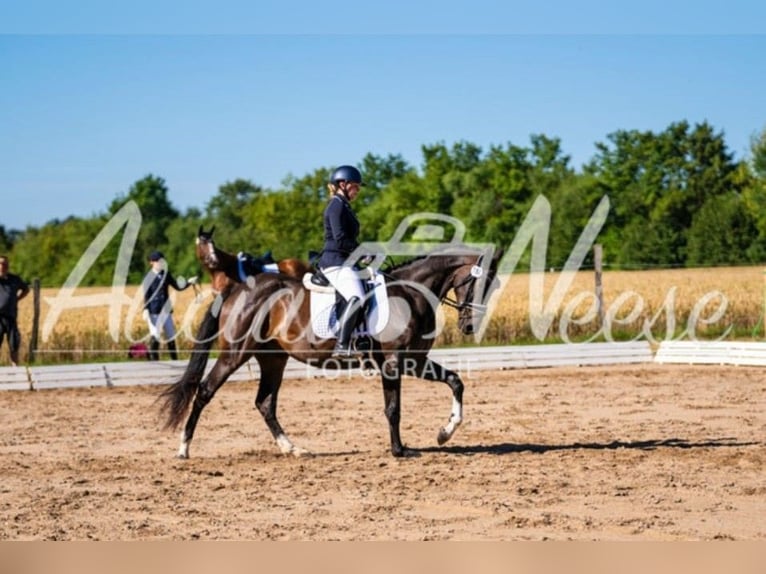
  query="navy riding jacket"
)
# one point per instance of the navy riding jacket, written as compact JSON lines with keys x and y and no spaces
{"x":341,"y":229}
{"x":10,"y":286}
{"x":156,"y":290}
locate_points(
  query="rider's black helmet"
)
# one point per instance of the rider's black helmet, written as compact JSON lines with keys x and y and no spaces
{"x":346,"y":173}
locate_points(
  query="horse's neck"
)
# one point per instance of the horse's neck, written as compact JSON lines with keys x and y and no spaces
{"x":228,"y":263}
{"x":433,"y":277}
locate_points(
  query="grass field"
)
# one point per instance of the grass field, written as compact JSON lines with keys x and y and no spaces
{"x":655,"y":305}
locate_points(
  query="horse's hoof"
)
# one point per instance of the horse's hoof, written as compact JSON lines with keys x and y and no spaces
{"x":443,"y":437}
{"x":405,"y":452}
{"x":299,"y":452}
{"x":182,"y":456}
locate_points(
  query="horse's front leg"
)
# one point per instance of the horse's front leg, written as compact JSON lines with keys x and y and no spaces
{"x":392,"y":393}
{"x":431,"y":371}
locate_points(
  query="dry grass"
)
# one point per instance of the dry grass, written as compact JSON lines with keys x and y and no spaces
{"x":659,"y":304}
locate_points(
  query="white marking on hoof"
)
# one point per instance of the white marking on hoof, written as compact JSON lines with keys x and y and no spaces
{"x":455,"y":420}
{"x":287,"y":447}
{"x":183,"y":450}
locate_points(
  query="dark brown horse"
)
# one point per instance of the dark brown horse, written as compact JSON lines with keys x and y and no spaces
{"x":270,"y":319}
{"x":227,"y":269}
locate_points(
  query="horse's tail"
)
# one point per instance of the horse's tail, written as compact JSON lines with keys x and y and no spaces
{"x":175,"y":400}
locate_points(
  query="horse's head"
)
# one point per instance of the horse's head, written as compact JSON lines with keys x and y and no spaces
{"x":472,"y":279}
{"x":206,"y":248}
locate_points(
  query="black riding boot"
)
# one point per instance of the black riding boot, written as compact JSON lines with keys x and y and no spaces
{"x":154,"y":350}
{"x":173,"y":350}
{"x":348,"y":321}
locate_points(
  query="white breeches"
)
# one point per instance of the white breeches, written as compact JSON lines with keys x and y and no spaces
{"x":346,"y":281}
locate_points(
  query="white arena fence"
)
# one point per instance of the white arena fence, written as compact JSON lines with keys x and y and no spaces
{"x":463,"y":360}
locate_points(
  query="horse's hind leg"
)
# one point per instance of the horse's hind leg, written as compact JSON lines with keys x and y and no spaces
{"x":272,"y":367}
{"x":221,"y":371}
{"x":431,"y":371}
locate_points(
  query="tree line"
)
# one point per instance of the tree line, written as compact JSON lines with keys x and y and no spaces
{"x":678,"y":198}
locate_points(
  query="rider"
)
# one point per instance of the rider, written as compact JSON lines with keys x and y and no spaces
{"x":341,"y":229}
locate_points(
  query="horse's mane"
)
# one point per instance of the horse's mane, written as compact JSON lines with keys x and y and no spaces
{"x":438,"y":253}
{"x":402,"y":264}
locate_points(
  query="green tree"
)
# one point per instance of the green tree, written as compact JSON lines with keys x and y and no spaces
{"x":226,"y":210}
{"x":657,"y":184}
{"x":441,"y":167}
{"x":572,"y":205}
{"x":722,"y":232}
{"x":51,"y":252}
{"x":289,"y":222}
{"x":379,"y":171}
{"x":758,"y":155}
{"x":494,"y":197}
{"x":151,"y":195}
{"x":754,"y":195}
{"x":181,"y":249}
{"x":6,"y":240}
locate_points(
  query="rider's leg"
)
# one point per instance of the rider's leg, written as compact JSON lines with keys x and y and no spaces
{"x":348,"y":321}
{"x":347,"y":283}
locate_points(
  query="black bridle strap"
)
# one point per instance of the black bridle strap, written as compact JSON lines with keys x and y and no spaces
{"x":465,"y":304}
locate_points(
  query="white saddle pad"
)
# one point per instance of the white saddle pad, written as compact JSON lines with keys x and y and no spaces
{"x":325,"y":324}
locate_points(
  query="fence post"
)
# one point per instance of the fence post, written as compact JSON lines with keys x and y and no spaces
{"x":597,"y":266}
{"x":35,"y":320}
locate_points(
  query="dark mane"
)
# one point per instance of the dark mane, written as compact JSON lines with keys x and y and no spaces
{"x":401,"y":264}
{"x":457,"y":249}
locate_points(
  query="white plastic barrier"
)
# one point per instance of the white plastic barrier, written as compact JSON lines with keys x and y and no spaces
{"x":460,"y":359}
{"x":712,"y":353}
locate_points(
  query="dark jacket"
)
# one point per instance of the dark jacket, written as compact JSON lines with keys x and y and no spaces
{"x":341,"y":229}
{"x":10,"y":286}
{"x":156,"y":286}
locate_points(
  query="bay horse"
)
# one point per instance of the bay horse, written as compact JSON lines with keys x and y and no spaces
{"x":227,"y":269}
{"x":270,"y":319}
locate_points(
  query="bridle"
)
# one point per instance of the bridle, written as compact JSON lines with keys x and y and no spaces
{"x":477,"y":271}
{"x":210,"y":258}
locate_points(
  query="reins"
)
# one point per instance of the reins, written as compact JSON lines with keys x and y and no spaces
{"x":449,"y":302}
{"x":446,"y":300}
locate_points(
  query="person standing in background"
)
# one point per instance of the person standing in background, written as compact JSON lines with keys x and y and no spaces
{"x":158,"y":310}
{"x":12,"y":290}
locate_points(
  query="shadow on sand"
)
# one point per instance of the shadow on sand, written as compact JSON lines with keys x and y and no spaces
{"x":511,"y":448}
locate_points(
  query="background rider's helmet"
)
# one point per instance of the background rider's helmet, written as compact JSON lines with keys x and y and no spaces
{"x":346,"y":173}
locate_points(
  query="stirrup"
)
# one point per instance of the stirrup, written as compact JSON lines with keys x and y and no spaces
{"x":345,"y":352}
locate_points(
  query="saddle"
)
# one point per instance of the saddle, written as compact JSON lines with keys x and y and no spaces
{"x":250,"y":265}
{"x":327,"y":305}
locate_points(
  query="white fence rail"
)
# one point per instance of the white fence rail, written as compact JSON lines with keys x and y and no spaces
{"x":712,"y":353}
{"x":463,"y":360}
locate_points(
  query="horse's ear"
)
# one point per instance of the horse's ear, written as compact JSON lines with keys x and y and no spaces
{"x":211,"y":231}
{"x":199,"y":232}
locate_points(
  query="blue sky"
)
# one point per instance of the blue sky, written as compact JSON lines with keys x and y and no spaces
{"x":93,"y":100}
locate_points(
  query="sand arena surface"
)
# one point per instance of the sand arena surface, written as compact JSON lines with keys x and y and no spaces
{"x":599,"y":453}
